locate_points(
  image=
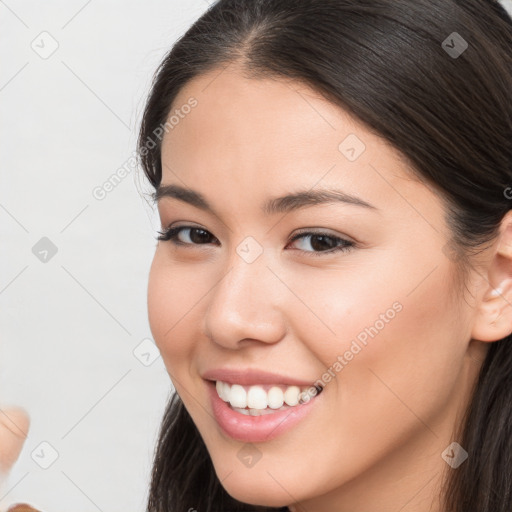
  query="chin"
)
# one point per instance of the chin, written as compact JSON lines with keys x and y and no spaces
{"x":261,"y":492}
{"x":260,"y":498}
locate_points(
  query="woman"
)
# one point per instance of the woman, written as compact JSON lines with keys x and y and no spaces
{"x":331,"y":289}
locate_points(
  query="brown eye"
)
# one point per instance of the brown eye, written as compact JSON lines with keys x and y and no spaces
{"x":195,"y":235}
{"x":322,"y":243}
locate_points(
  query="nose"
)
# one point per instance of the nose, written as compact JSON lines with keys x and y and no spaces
{"x":245,"y":305}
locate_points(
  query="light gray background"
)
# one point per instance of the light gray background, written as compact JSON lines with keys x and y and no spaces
{"x":70,"y":325}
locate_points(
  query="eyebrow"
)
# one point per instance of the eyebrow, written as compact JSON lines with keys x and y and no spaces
{"x":272,"y":206}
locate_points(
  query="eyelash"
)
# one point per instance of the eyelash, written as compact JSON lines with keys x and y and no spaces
{"x":171,"y":234}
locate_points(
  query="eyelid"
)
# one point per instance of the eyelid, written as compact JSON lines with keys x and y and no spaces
{"x":344,"y":244}
{"x":301,"y":231}
{"x":167,"y":230}
{"x":321,"y":231}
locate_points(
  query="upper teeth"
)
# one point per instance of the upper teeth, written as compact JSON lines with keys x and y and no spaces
{"x":256,"y":397}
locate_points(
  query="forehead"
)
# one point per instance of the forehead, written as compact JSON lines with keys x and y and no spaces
{"x":271,"y":113}
{"x":278,"y":135}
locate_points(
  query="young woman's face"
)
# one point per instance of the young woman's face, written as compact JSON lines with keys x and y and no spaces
{"x":377,"y":321}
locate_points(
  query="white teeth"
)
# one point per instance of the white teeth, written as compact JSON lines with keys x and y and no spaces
{"x":291,"y":395}
{"x":237,"y":396}
{"x":256,"y":398}
{"x":275,"y":397}
{"x":253,"y":399}
{"x":221,"y":390}
{"x":254,"y":412}
{"x":242,"y":411}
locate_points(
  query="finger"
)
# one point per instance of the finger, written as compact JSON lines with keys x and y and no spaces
{"x":14,"y":425}
{"x":21,"y":507}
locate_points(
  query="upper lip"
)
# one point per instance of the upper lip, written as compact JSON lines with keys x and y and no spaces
{"x":250,"y":376}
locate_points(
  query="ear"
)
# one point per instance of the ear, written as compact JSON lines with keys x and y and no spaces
{"x":493,"y":319}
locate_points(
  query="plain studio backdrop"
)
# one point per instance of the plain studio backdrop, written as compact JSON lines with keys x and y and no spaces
{"x":78,"y":238}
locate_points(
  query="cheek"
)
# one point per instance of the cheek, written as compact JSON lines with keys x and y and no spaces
{"x":401,"y":350}
{"x":401,"y":341}
{"x":397,"y":349}
{"x":158,"y":292}
{"x":172,"y":302}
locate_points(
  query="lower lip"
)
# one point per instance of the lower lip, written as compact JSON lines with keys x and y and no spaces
{"x":255,"y":429}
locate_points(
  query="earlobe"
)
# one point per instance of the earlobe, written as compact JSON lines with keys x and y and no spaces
{"x":494,"y":316}
{"x":493,"y":320}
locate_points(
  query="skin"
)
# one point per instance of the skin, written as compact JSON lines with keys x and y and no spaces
{"x":375,"y":438}
{"x":14,"y":425}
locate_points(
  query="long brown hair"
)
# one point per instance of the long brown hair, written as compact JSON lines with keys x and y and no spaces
{"x":444,"y":100}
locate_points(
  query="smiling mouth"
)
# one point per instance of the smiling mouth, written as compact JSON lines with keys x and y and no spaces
{"x":261,"y":399}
